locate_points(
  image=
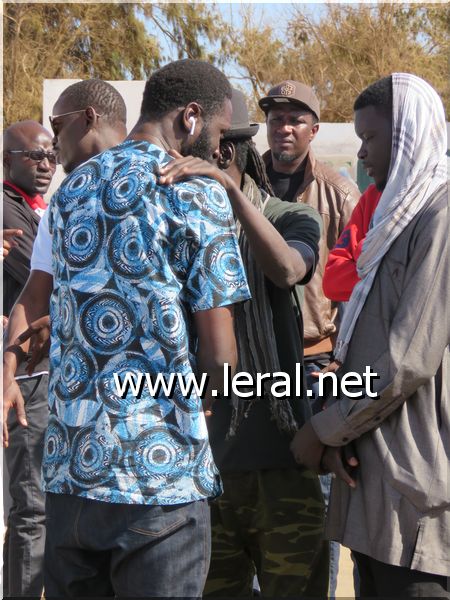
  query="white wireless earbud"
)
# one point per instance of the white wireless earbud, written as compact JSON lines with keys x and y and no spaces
{"x":193,"y":121}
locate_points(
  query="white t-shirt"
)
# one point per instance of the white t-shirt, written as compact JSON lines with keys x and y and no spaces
{"x":41,"y":258}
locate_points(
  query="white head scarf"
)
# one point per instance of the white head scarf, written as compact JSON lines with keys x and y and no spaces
{"x":418,"y":168}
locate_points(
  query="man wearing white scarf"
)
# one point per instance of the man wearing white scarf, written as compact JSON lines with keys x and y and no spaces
{"x":390,"y":501}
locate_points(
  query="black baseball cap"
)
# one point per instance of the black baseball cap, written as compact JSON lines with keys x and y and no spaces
{"x":240,"y":125}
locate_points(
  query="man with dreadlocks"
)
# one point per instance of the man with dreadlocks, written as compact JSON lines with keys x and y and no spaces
{"x":78,"y":133}
{"x":270,"y":518}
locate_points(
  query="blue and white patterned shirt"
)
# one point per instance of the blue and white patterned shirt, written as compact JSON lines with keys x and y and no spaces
{"x":132,"y":260}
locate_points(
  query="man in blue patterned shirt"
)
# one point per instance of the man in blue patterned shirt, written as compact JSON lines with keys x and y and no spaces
{"x":137,"y":269}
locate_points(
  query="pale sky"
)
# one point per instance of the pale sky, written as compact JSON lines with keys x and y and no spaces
{"x":274,"y":14}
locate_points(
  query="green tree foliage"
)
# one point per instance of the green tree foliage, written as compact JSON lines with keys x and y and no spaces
{"x":108,"y":40}
{"x":190,"y":30}
{"x":348,"y":48}
{"x":339,"y":53}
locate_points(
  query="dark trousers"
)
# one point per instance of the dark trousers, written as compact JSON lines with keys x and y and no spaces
{"x":23,"y":548}
{"x":125,"y":550}
{"x":380,"y":580}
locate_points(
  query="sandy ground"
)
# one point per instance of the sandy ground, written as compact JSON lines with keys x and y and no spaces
{"x":345,"y":587}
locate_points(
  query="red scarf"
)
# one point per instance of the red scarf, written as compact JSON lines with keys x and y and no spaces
{"x":36,"y":203}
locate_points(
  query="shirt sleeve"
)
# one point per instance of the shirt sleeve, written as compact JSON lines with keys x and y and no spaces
{"x":41,"y":259}
{"x":340,"y":275}
{"x":216,"y":275}
{"x":300,"y":225}
{"x":417,"y":340}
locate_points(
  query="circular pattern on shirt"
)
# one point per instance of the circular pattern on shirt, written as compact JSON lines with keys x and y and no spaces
{"x":124,"y":193}
{"x":205,"y":474}
{"x":161,"y":456}
{"x":126,"y":363}
{"x":131,"y":250}
{"x":56,"y":446}
{"x":167,"y":322}
{"x":106,"y":322}
{"x":169,"y":203}
{"x":181,"y":250}
{"x":221,"y":261}
{"x":83,"y":240}
{"x":217,"y":207}
{"x":79,"y":187}
{"x":77,"y":370}
{"x":181,"y":200}
{"x":66,"y":316}
{"x":188,"y":404}
{"x":92,"y":454}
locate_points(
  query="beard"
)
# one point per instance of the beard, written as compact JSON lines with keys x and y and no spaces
{"x":285,"y":157}
{"x":201,"y":148}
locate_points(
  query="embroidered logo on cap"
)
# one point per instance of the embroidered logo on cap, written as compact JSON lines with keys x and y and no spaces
{"x":287,"y":89}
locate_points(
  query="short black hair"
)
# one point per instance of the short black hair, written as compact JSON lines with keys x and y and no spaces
{"x":248,"y":160}
{"x":181,"y":82}
{"x":378,"y":94}
{"x":99,"y":94}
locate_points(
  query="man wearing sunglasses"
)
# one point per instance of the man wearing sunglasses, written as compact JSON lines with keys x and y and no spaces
{"x":89,"y":117}
{"x":28,"y":166}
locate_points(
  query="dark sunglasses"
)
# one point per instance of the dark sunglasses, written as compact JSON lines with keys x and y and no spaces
{"x":37,"y":155}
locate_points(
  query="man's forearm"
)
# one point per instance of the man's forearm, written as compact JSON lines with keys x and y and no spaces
{"x":215,"y":372}
{"x":32,"y":304}
{"x":19,"y":320}
{"x":283,"y":265}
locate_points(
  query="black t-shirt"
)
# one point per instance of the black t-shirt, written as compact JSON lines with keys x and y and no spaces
{"x":258,"y":443}
{"x":17,"y":214}
{"x":285,"y":185}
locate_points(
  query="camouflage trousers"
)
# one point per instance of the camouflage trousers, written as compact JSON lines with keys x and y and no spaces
{"x":271,"y":523}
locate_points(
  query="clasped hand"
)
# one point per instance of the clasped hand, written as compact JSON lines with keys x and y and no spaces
{"x":310,"y":452}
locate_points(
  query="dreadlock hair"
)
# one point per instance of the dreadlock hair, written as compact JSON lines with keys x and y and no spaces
{"x":99,"y":94}
{"x":181,"y":82}
{"x":248,"y":160}
{"x":378,"y":94}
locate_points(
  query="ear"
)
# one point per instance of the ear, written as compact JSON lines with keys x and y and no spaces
{"x":91,"y":117}
{"x":6,"y":160}
{"x":192,"y":111}
{"x":227,"y":155}
{"x":314,"y":130}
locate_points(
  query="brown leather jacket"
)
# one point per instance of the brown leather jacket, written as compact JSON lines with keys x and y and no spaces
{"x":334,"y":197}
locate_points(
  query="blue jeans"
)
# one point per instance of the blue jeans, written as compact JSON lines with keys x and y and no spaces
{"x":312,"y":383}
{"x":325,"y":480}
{"x":335,"y":549}
{"x":101,"y":549}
